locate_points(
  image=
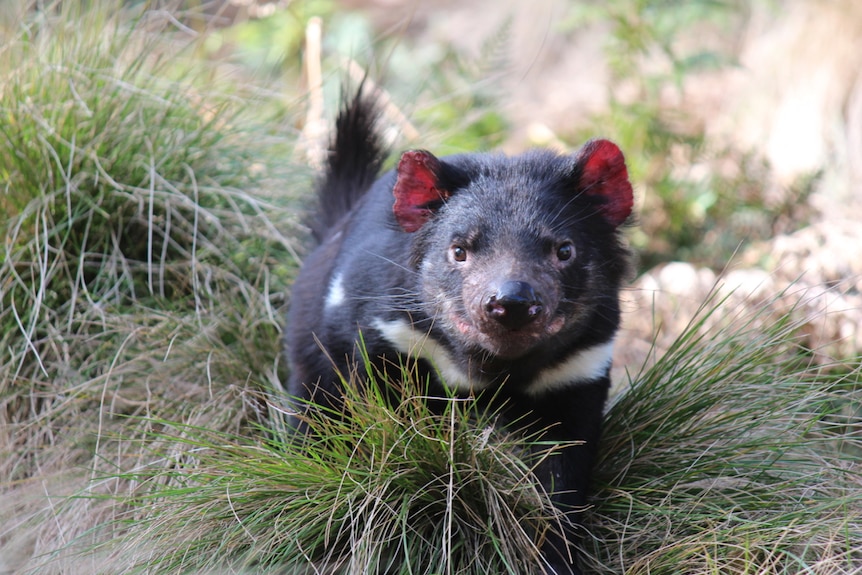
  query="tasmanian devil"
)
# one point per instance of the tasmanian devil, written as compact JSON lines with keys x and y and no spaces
{"x":497,"y":276}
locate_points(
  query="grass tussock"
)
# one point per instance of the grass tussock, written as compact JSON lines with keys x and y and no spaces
{"x":147,"y":244}
{"x":732,"y":454}
{"x":384,"y":489}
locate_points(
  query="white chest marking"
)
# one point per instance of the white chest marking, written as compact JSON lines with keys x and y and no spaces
{"x":335,"y":295}
{"x":586,"y":365}
{"x":414,"y":343}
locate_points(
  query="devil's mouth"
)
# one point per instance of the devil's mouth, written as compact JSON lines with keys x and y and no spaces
{"x":503,"y":342}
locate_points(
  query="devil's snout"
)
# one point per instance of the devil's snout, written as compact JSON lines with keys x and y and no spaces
{"x":514,"y":305}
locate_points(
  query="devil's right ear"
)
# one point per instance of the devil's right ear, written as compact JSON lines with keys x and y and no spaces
{"x":604,"y":175}
{"x":417,"y":190}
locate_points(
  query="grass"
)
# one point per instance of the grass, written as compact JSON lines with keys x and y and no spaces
{"x":148,"y":244}
{"x":729,"y":455}
{"x":733,"y":455}
{"x":150,"y":225}
{"x":386,"y":489}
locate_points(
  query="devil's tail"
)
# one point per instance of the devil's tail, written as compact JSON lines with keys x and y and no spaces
{"x":356,"y":154}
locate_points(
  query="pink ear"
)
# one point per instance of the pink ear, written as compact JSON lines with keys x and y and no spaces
{"x":416,"y":189}
{"x":604,"y":174}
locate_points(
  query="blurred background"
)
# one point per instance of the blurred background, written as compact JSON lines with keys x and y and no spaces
{"x":741,"y":119}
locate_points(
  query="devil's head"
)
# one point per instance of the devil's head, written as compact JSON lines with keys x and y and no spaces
{"x":513,"y":252}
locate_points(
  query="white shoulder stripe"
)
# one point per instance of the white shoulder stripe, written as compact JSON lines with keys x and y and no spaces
{"x":335,"y":295}
{"x":414,"y":343}
{"x":585,"y":365}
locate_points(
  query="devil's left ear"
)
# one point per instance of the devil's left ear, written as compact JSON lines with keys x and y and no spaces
{"x":418,"y":193}
{"x":604,"y":175}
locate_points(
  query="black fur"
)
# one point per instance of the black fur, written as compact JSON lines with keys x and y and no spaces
{"x":354,"y":162}
{"x":537,"y":286}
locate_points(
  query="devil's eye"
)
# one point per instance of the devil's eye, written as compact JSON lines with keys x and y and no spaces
{"x":565,"y":251}
{"x":459,"y":254}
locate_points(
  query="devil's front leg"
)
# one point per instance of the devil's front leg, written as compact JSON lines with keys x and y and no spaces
{"x":573,"y":420}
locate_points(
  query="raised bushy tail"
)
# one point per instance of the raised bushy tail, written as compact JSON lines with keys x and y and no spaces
{"x":356,"y":154}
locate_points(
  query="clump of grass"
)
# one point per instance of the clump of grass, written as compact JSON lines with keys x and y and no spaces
{"x":378,"y":488}
{"x":732,"y":455}
{"x":146,"y":241}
